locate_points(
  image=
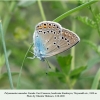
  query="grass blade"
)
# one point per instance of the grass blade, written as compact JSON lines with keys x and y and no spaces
{"x":41,"y":10}
{"x":6,"y":57}
{"x":96,"y":80}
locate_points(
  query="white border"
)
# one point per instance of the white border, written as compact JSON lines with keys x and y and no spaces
{"x":50,"y":94}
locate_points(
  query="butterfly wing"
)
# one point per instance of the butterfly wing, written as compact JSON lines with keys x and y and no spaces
{"x":66,"y":40}
{"x":47,"y":30}
{"x":49,"y":33}
{"x":55,"y":39}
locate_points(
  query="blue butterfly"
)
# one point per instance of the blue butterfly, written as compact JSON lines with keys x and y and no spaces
{"x":50,"y":38}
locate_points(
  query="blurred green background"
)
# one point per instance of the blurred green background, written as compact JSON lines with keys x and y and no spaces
{"x":19,"y":19}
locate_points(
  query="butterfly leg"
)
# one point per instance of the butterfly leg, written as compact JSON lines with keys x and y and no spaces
{"x":31,"y":57}
{"x":31,"y":52}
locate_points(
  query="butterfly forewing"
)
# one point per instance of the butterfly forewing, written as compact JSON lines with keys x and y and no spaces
{"x":49,"y":33}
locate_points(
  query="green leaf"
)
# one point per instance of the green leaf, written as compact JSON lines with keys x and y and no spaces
{"x":65,"y":63}
{"x":26,"y":3}
{"x":96,"y":80}
{"x":58,"y":74}
{"x":87,"y":21}
{"x":77,"y":72}
{"x":90,"y":77}
{"x":83,"y":1}
{"x":98,"y":17}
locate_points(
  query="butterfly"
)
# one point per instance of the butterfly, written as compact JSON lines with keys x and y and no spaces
{"x":50,"y":38}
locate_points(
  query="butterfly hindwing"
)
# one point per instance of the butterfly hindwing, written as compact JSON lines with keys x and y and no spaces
{"x":66,"y":40}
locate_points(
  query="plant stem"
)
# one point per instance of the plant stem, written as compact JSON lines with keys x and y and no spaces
{"x":73,"y":58}
{"x":6,"y":57}
{"x":8,"y":16}
{"x":73,"y":49}
{"x":19,"y":77}
{"x":68,"y":82}
{"x":73,"y":10}
{"x":41,"y":10}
